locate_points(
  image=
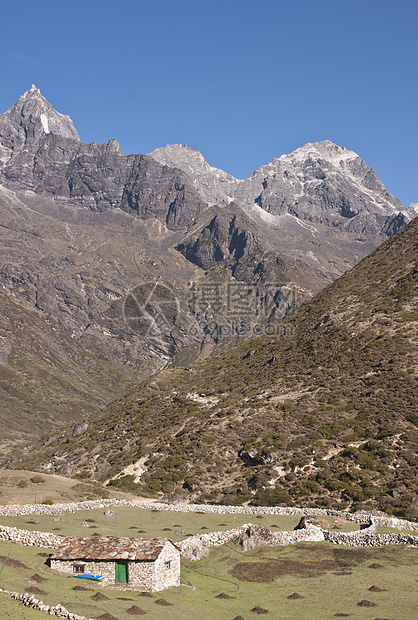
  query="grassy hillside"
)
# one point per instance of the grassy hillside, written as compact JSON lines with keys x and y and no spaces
{"x":29,"y":487}
{"x":324,"y":412}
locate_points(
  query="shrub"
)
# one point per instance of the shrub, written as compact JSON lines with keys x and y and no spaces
{"x":37,"y":479}
{"x":272,"y":497}
{"x":125,"y":483}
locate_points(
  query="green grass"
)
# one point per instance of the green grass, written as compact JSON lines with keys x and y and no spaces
{"x":13,"y":610}
{"x":332,"y":579}
{"x":152,"y":523}
{"x":394,"y":530}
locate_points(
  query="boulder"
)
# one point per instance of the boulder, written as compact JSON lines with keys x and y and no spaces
{"x":254,"y":536}
{"x":110,"y":513}
{"x":195,"y":548}
{"x":79,"y":429}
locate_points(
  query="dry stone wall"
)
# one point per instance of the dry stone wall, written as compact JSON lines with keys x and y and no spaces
{"x":29,"y":539}
{"x":368,"y":539}
{"x":249,"y":536}
{"x":381,"y":520}
{"x":198,"y":546}
{"x":29,"y":600}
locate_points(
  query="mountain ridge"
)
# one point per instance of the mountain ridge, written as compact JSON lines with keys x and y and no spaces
{"x":296,"y":176}
{"x":86,"y":234}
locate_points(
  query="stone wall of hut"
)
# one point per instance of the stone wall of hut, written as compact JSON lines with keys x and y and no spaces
{"x":149,"y":575}
{"x":167,"y":576}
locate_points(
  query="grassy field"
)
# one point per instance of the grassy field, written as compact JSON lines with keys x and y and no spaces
{"x":137,"y":523}
{"x":331,"y":579}
{"x":131,"y":522}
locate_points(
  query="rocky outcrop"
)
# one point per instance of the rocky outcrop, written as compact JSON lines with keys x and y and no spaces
{"x":79,"y":429}
{"x":254,"y":536}
{"x":194,"y":548}
{"x":227,"y":239}
{"x":252,"y":458}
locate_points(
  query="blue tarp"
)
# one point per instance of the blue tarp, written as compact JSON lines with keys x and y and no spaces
{"x":87,"y":576}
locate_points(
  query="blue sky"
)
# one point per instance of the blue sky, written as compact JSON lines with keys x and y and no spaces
{"x":242,"y":82}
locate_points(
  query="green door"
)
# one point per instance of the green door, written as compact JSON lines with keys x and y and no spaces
{"x":121,"y":572}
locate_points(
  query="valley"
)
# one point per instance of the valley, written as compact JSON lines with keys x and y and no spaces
{"x":185,"y":352}
{"x":323,"y":410}
{"x":209,"y":310}
{"x":114,"y":266}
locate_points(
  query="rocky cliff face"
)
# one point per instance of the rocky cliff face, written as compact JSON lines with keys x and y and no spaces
{"x":41,"y":152}
{"x":226,"y":239}
{"x":86,"y":233}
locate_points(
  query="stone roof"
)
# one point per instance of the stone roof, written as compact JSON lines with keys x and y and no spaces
{"x":110,"y":548}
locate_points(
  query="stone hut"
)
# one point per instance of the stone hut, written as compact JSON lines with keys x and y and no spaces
{"x":143,"y":563}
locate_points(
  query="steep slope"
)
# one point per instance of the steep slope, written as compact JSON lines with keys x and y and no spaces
{"x":46,"y":379}
{"x":323,"y":412}
{"x":27,"y":120}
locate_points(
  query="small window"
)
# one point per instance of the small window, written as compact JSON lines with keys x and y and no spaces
{"x":167,"y":564}
{"x":78,"y":568}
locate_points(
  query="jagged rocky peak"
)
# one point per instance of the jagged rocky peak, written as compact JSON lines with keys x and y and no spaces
{"x":325,"y":149}
{"x":214,"y":185}
{"x":31,"y":117}
{"x":314,"y":181}
{"x":184,"y":155}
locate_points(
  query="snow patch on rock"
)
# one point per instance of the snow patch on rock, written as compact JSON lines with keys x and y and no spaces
{"x":44,"y":121}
